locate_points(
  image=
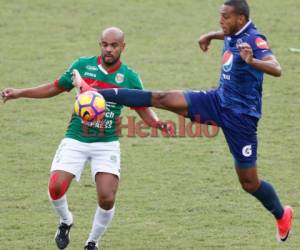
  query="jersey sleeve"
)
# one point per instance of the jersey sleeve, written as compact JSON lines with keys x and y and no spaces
{"x":65,"y":80}
{"x":260,"y":47}
{"x":135,"y":81}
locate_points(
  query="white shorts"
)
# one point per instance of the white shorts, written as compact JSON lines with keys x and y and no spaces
{"x":72,"y":156}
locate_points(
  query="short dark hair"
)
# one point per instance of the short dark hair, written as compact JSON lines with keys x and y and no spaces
{"x":241,"y":7}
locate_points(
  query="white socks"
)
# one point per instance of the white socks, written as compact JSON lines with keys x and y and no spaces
{"x":61,"y":207}
{"x":101,"y":221}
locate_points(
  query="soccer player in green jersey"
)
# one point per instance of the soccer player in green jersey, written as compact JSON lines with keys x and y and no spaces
{"x":97,"y":143}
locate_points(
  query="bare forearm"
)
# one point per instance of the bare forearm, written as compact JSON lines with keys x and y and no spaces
{"x":148,"y":116}
{"x":42,"y":91}
{"x":267,"y":64}
{"x":205,"y":40}
{"x":218,"y":35}
{"x":270,"y":67}
{"x":151,"y":119}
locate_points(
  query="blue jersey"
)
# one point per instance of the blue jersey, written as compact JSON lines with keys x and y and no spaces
{"x":240,"y":86}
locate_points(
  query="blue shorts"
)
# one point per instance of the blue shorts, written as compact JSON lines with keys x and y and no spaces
{"x":239,"y":129}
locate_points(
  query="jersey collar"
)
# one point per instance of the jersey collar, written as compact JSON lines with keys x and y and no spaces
{"x":111,"y":70}
{"x":247,"y":26}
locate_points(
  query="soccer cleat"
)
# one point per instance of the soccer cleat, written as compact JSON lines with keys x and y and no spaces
{"x":90,"y":246}
{"x":284,"y":225}
{"x":79,"y":83}
{"x":62,"y":236}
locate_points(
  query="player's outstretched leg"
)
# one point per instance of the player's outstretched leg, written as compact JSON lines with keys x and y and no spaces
{"x":173,"y":100}
{"x":107,"y":186}
{"x":266,"y":194}
{"x":58,"y":186}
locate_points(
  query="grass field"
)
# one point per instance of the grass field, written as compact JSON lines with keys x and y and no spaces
{"x":175,"y":193}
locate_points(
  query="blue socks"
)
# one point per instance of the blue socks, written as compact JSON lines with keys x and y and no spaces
{"x":127,"y":97}
{"x":268,"y":197}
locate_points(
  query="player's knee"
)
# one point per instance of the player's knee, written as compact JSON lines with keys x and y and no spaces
{"x":159,"y":99}
{"x":249,"y":186}
{"x":107,"y":200}
{"x":57,"y":188}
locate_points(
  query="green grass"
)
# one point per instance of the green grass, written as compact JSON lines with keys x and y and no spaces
{"x":174,"y":193}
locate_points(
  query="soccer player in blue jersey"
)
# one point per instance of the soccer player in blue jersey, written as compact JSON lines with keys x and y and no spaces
{"x":235,"y":105}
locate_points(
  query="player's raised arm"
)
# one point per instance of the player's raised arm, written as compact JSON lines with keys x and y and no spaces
{"x":204,"y":40}
{"x":41,"y":91}
{"x":267,"y":64}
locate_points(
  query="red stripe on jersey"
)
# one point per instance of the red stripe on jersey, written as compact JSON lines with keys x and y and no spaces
{"x":113,"y":69}
{"x":56,"y":85}
{"x":100,"y":84}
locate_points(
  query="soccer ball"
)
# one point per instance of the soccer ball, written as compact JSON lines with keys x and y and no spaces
{"x":90,"y":106}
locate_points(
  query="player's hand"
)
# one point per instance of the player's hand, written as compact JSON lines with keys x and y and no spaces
{"x":204,"y":42}
{"x":167,"y":127}
{"x":9,"y":93}
{"x":80,"y":85}
{"x":246,"y":52}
